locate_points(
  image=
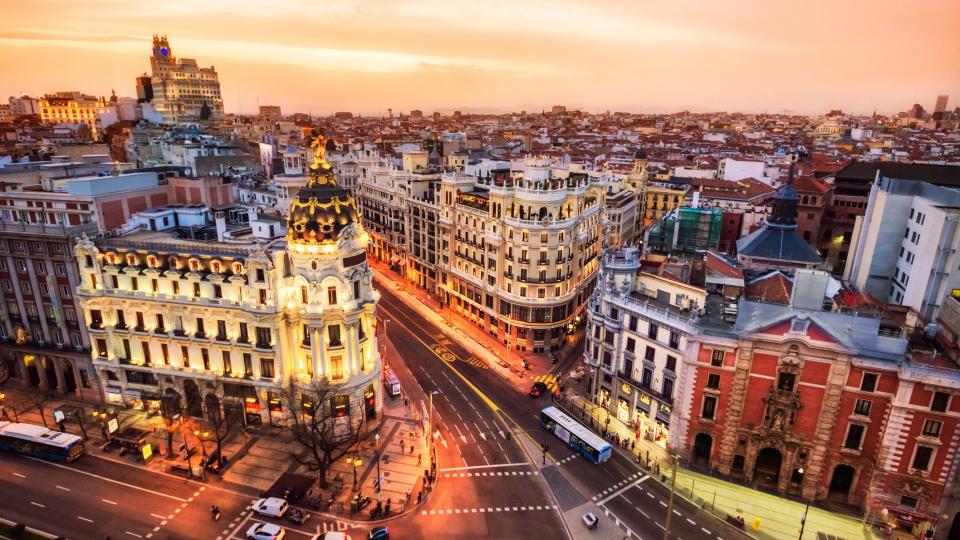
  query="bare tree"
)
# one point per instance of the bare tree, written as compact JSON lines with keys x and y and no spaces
{"x":223,"y":420}
{"x":321,"y":437}
{"x":170,"y":408}
{"x":39,"y":399}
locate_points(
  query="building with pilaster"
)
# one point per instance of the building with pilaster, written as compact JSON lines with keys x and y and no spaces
{"x":193,"y":308}
{"x":182,"y":91}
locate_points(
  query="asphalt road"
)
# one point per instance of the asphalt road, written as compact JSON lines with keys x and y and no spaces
{"x":618,"y":487}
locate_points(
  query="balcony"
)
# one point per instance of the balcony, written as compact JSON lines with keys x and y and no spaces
{"x":263,"y":346}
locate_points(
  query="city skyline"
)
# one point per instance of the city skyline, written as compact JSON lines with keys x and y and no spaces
{"x":370,"y":57}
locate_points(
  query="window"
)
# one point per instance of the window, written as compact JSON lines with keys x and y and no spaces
{"x":247,"y":365}
{"x":176,"y":286}
{"x":146,"y":352}
{"x":716,"y":358}
{"x":263,"y":337}
{"x":205,"y":355}
{"x":786,"y":381}
{"x":185,"y":355}
{"x":666,"y":389}
{"x":227,"y":368}
{"x":939,"y":402}
{"x":674,"y":340}
{"x":266,"y":368}
{"x":649,"y":353}
{"x":332,"y":296}
{"x":243,"y":338}
{"x":652,"y":331}
{"x":356,"y":289}
{"x":909,"y":502}
{"x":333,"y":333}
{"x":263,"y":296}
{"x":217,"y":291}
{"x":671,"y":364}
{"x":196,"y":290}
{"x":709,"y":409}
{"x":632,"y":324}
{"x":713,"y":381}
{"x":222,"y":330}
{"x":114,"y":282}
{"x":931,"y":428}
{"x":134,"y":284}
{"x":336,"y":367}
{"x":165,"y":354}
{"x":862,"y":407}
{"x":646,"y":377}
{"x":631,"y":344}
{"x":140,"y":326}
{"x":201,"y":332}
{"x":869,"y":382}
{"x":101,"y":347}
{"x":922,"y":458}
{"x":854,"y":436}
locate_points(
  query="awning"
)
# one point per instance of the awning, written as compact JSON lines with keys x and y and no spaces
{"x":113,"y":389}
{"x":911,"y":517}
{"x":132,"y":393}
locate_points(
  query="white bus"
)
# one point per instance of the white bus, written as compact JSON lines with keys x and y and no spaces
{"x":581,"y":439}
{"x":40,"y":442}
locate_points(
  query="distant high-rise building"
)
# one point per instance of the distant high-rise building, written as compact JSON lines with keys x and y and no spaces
{"x":416,"y":113}
{"x":270,"y":112}
{"x":941,"y":105}
{"x":24,"y":105}
{"x":183,"y":91}
{"x":144,"y":88}
{"x":916,"y":111}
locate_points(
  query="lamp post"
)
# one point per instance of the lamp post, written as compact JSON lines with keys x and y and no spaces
{"x":376,"y":445}
{"x":355,"y":461}
{"x":673,"y":489}
{"x":800,"y":481}
{"x":429,"y":431}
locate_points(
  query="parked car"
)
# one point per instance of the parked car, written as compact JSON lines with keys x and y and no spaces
{"x":590,"y":520}
{"x":538,"y":389}
{"x":271,"y":506}
{"x":380,"y":533}
{"x":331,"y":536}
{"x":266,"y":531}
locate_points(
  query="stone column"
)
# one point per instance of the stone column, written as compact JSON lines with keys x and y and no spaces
{"x":61,"y":380}
{"x":355,"y":347}
{"x":41,"y":372}
{"x":324,"y":360}
{"x":314,"y":367}
{"x":731,"y":426}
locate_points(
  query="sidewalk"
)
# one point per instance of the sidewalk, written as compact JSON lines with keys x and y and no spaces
{"x":505,"y":362}
{"x":767,"y":516}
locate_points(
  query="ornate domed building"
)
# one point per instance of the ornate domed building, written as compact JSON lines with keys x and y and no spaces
{"x":330,"y":299}
{"x":262,"y":328}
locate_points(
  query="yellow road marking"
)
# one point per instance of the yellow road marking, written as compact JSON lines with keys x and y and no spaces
{"x":493,"y":406}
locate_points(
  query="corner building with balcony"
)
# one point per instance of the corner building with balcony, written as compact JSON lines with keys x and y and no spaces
{"x":228,"y":322}
{"x":518,"y":251}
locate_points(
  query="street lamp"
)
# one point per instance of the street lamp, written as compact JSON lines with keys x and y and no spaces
{"x":356,"y":463}
{"x":376,"y":448}
{"x":673,"y":489}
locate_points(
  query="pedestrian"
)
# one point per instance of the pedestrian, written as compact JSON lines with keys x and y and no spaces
{"x":420,"y":496}
{"x":419,"y":459}
{"x":402,"y":450}
{"x":408,"y":494}
{"x":411,"y":448}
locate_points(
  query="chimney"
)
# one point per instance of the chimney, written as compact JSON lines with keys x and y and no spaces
{"x":221,"y":220}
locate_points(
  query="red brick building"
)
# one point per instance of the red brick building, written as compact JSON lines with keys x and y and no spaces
{"x":824,"y":406}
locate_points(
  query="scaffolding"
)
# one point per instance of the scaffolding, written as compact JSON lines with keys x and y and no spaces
{"x":686,"y":231}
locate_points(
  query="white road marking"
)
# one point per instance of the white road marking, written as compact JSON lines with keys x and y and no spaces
{"x":630,"y":485}
{"x":18,"y":474}
{"x":133,"y":534}
{"x":104,"y":478}
{"x":158,"y":517}
{"x":690,"y":521}
{"x":85,"y":519}
{"x":706,"y":530}
{"x":37,"y":504}
{"x":108,"y":501}
{"x":493,"y":466}
{"x":63,"y":488}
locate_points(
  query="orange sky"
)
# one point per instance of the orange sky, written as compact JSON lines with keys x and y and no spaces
{"x":364,"y":56}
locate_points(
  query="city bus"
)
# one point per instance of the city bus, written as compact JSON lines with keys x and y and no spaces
{"x":38,"y":441}
{"x":581,"y":439}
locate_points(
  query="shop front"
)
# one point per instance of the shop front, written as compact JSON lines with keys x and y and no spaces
{"x":251,"y":410}
{"x":370,"y":401}
{"x":275,"y":407}
{"x":114,"y":394}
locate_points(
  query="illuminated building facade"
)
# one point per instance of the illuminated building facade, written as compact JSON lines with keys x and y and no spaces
{"x":518,"y":251}
{"x":218,"y":321}
{"x":72,"y":108}
{"x":182,"y":90}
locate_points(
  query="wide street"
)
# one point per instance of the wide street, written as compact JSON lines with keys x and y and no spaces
{"x":473,"y":401}
{"x":492,"y":481}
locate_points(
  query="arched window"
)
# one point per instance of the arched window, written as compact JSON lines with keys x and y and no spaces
{"x":215,"y":267}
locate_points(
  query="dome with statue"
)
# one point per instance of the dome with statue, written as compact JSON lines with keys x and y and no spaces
{"x":321,"y":210}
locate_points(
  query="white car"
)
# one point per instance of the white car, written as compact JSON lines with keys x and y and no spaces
{"x":265,"y":531}
{"x":331,"y":536}
{"x":272,"y":507}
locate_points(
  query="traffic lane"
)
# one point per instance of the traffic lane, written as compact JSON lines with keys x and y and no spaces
{"x":463,"y":413}
{"x":647,"y":515}
{"x":480,"y":523}
{"x":62,"y":502}
{"x":489,"y":488}
{"x":294,"y":531}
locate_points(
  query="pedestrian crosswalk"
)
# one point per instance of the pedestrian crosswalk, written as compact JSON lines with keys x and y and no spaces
{"x":491,"y":474}
{"x":549,"y":380}
{"x":489,"y":509}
